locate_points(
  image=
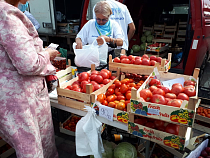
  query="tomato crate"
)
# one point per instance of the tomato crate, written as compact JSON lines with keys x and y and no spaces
{"x":77,"y":100}
{"x":202,"y":121}
{"x":179,"y":141}
{"x":178,"y":115}
{"x":143,"y":68}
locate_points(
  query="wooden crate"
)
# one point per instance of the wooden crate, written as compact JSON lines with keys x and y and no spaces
{"x":183,"y":115}
{"x":146,"y":70}
{"x":179,"y":141}
{"x":64,"y":75}
{"x":77,"y":100}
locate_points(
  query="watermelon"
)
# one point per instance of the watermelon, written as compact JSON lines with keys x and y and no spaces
{"x":147,"y":33}
{"x":136,"y":48}
{"x":142,"y":46}
{"x":143,"y":38}
{"x":149,"y":38}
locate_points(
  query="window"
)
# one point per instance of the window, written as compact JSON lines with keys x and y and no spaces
{"x":179,"y":9}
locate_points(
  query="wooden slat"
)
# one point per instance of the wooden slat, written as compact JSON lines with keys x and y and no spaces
{"x":201,"y":128}
{"x":162,"y":40}
{"x":65,"y":78}
{"x":202,"y":118}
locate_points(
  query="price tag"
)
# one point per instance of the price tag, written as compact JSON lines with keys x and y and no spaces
{"x":169,"y":83}
{"x":153,"y":111}
{"x":106,"y":112}
{"x":196,"y":153}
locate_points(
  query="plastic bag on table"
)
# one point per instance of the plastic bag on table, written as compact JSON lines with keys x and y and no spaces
{"x":88,"y":135}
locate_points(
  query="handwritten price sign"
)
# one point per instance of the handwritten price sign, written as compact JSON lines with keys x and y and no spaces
{"x":106,"y":112}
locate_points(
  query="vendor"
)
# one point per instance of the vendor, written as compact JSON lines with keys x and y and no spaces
{"x":102,"y":26}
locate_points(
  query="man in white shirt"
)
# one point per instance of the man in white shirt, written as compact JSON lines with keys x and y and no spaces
{"x":120,"y":14}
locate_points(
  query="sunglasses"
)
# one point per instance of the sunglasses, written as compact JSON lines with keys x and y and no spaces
{"x":103,"y":20}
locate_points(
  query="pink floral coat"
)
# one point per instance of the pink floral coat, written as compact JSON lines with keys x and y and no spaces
{"x":25,"y":113}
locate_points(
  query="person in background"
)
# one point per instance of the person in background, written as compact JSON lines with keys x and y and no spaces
{"x":25,"y":113}
{"x":99,"y":27}
{"x":23,"y":8}
{"x":121,"y":14}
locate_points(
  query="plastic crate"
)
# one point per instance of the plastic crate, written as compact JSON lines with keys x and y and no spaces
{"x":203,"y":92}
{"x":59,"y":115}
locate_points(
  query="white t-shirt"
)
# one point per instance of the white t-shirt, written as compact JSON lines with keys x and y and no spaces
{"x":88,"y":33}
{"x":121,"y":15}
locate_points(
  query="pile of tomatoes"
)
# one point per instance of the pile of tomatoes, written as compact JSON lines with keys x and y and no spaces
{"x":157,"y":124}
{"x":96,"y":78}
{"x":71,"y":123}
{"x":159,"y":94}
{"x":157,"y":45}
{"x":118,"y":95}
{"x":203,"y":112}
{"x":144,"y":60}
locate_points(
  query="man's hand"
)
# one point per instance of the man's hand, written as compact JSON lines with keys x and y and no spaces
{"x":100,"y":41}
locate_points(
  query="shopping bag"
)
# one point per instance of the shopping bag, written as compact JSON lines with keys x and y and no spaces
{"x":91,"y":54}
{"x":88,"y":135}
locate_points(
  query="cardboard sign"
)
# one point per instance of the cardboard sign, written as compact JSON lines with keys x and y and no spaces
{"x":106,"y":112}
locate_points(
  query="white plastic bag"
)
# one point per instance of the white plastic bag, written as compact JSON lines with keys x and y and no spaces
{"x":91,"y":54}
{"x":88,"y":135}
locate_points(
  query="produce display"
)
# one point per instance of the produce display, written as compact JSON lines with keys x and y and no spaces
{"x":118,"y":95}
{"x":157,"y":93}
{"x":157,"y":124}
{"x":203,"y":111}
{"x":70,"y":124}
{"x":205,"y":153}
{"x":137,"y":60}
{"x":96,"y":78}
{"x":157,"y":45}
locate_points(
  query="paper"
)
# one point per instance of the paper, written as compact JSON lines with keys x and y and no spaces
{"x":196,"y":153}
{"x":106,"y":112}
{"x":195,"y":43}
{"x":53,"y":46}
{"x":153,"y":111}
{"x":169,"y":83}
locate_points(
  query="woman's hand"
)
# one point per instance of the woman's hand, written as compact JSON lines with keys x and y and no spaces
{"x":52,"y":52}
{"x":79,"y":43}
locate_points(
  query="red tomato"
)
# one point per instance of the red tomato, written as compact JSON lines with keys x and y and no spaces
{"x":158,"y":91}
{"x":152,"y":88}
{"x":142,"y":99}
{"x":179,"y":84}
{"x":106,"y":81}
{"x":130,"y":57}
{"x":117,"y":83}
{"x":101,"y":98}
{"x":105,"y":103}
{"x":137,"y":62}
{"x":76,"y":82}
{"x":159,"y":86}
{"x":172,"y":129}
{"x":146,"y":94}
{"x":117,"y":60}
{"x":92,"y":77}
{"x":161,"y":128}
{"x":132,"y":61}
{"x":112,"y":86}
{"x":117,"y":91}
{"x":159,"y":123}
{"x":145,"y":56}
{"x":153,"y":62}
{"x":127,"y":102}
{"x":107,"y":71}
{"x":69,"y":87}
{"x":175,"y":103}
{"x":120,"y":97}
{"x":177,"y":89}
{"x":110,"y":91}
{"x":167,"y":100}
{"x":166,"y":89}
{"x":159,"y":99}
{"x":104,"y":74}
{"x":94,"y":72}
{"x":145,"y":61}
{"x":75,"y":86}
{"x":138,"y":57}
{"x":77,"y":89}
{"x":189,"y":82}
{"x":123,"y":56}
{"x":128,"y":96}
{"x":112,"y":104}
{"x":84,"y":83}
{"x":99,"y":79}
{"x":190,"y":91}
{"x":154,"y":82}
{"x":150,"y":125}
{"x":84,"y":76}
{"x":125,"y":60}
{"x":123,"y":88}
{"x":93,"y":82}
{"x":159,"y":59}
{"x":96,"y":86}
{"x":153,"y":58}
{"x":182,"y":96}
{"x":111,"y":98}
{"x":170,"y":95}
{"x":112,"y":77}
{"x":140,"y":121}
{"x":132,"y":85}
{"x":131,"y":80}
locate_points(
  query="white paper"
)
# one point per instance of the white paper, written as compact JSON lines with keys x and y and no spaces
{"x":196,"y":153}
{"x":53,"y":46}
{"x":169,"y":83}
{"x":106,"y":112}
{"x":195,"y":43}
{"x":153,"y":111}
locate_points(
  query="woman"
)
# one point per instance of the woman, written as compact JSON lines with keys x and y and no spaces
{"x":25,"y":113}
{"x":102,"y":26}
